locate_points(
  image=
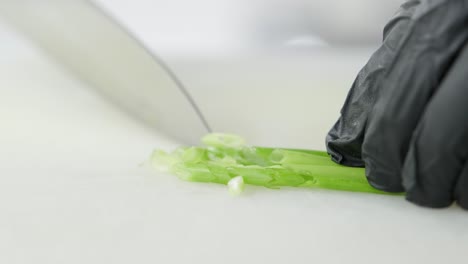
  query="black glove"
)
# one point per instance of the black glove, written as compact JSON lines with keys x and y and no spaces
{"x":406,"y":116}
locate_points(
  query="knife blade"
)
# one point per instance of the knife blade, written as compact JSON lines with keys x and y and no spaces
{"x":92,"y":45}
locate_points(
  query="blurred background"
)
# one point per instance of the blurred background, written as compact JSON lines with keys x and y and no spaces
{"x":239,"y":26}
{"x":274,"y":71}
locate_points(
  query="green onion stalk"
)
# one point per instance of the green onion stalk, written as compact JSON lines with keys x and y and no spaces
{"x":227,"y":159}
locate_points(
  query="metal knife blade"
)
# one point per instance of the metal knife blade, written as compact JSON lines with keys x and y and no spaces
{"x":93,"y":46}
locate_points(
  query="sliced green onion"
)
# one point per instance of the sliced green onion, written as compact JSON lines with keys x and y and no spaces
{"x":284,"y":157}
{"x":163,"y":161}
{"x":227,"y":156}
{"x":236,"y":185}
{"x":219,"y":140}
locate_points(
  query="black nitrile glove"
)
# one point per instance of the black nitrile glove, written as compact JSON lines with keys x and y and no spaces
{"x":406,"y":116}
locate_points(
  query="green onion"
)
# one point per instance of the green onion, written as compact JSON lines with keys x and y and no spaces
{"x":236,"y":185}
{"x":219,"y":140}
{"x":227,"y":159}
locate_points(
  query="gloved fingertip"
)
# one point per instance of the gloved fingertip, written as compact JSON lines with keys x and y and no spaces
{"x":463,"y":204}
{"x":461,"y":188}
{"x":427,"y":200}
{"x":415,"y":182}
{"x":394,"y":188}
{"x":381,"y":179}
{"x":344,"y":152}
{"x":385,"y":188}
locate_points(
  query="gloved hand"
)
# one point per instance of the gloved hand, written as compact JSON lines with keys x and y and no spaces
{"x":406,"y":116}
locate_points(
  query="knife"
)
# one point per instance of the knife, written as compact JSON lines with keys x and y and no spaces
{"x":93,"y":46}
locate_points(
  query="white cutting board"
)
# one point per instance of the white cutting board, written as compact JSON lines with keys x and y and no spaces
{"x":72,"y":191}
